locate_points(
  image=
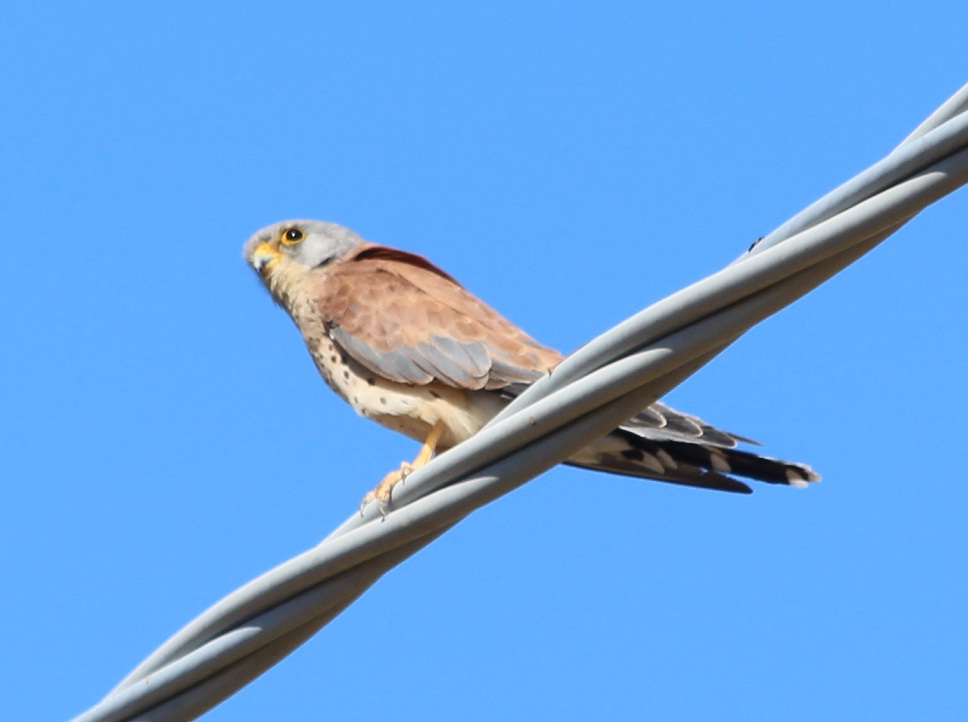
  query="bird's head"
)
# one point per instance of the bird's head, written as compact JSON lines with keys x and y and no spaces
{"x":308,"y":244}
{"x":285,"y":252}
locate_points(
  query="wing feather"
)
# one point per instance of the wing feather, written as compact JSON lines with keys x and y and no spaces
{"x":394,"y":365}
{"x":660,"y":422}
{"x":404,"y":319}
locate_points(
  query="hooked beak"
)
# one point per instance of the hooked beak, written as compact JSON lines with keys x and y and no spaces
{"x":263,"y":258}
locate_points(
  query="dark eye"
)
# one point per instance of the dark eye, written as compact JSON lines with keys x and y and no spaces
{"x":292,"y":236}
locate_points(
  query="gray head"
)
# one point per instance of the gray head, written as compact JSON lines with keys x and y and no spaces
{"x":305,"y":243}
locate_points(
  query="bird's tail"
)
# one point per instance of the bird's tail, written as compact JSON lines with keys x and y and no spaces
{"x":689,"y":463}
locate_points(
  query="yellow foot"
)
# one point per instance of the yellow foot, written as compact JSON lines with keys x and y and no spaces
{"x":384,"y":490}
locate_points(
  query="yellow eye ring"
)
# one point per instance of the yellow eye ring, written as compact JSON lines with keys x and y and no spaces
{"x":292,"y":236}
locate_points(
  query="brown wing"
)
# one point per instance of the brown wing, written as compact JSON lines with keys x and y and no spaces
{"x":403,"y":318}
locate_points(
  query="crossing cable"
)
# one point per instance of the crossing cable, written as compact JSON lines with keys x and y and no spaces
{"x":589,"y":394}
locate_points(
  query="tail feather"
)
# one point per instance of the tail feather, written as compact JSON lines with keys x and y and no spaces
{"x":689,"y":463}
{"x":684,"y":476}
{"x":663,"y":444}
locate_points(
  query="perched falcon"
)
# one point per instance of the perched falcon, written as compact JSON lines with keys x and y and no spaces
{"x":409,"y":347}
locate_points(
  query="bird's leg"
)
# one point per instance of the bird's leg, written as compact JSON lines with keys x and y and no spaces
{"x":385,"y":488}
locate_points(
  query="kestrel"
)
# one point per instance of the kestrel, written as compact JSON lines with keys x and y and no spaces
{"x":409,"y":347}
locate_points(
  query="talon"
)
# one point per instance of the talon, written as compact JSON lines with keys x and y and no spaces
{"x":384,"y":490}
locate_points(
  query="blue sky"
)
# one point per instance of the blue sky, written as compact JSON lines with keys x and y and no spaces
{"x":166,"y":437}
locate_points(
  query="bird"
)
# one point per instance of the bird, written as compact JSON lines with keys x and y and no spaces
{"x":408,"y":346}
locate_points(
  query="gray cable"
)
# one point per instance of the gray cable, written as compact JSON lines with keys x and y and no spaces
{"x":590,"y":393}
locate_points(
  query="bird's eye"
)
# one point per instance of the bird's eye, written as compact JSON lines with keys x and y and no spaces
{"x":292,"y":236}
